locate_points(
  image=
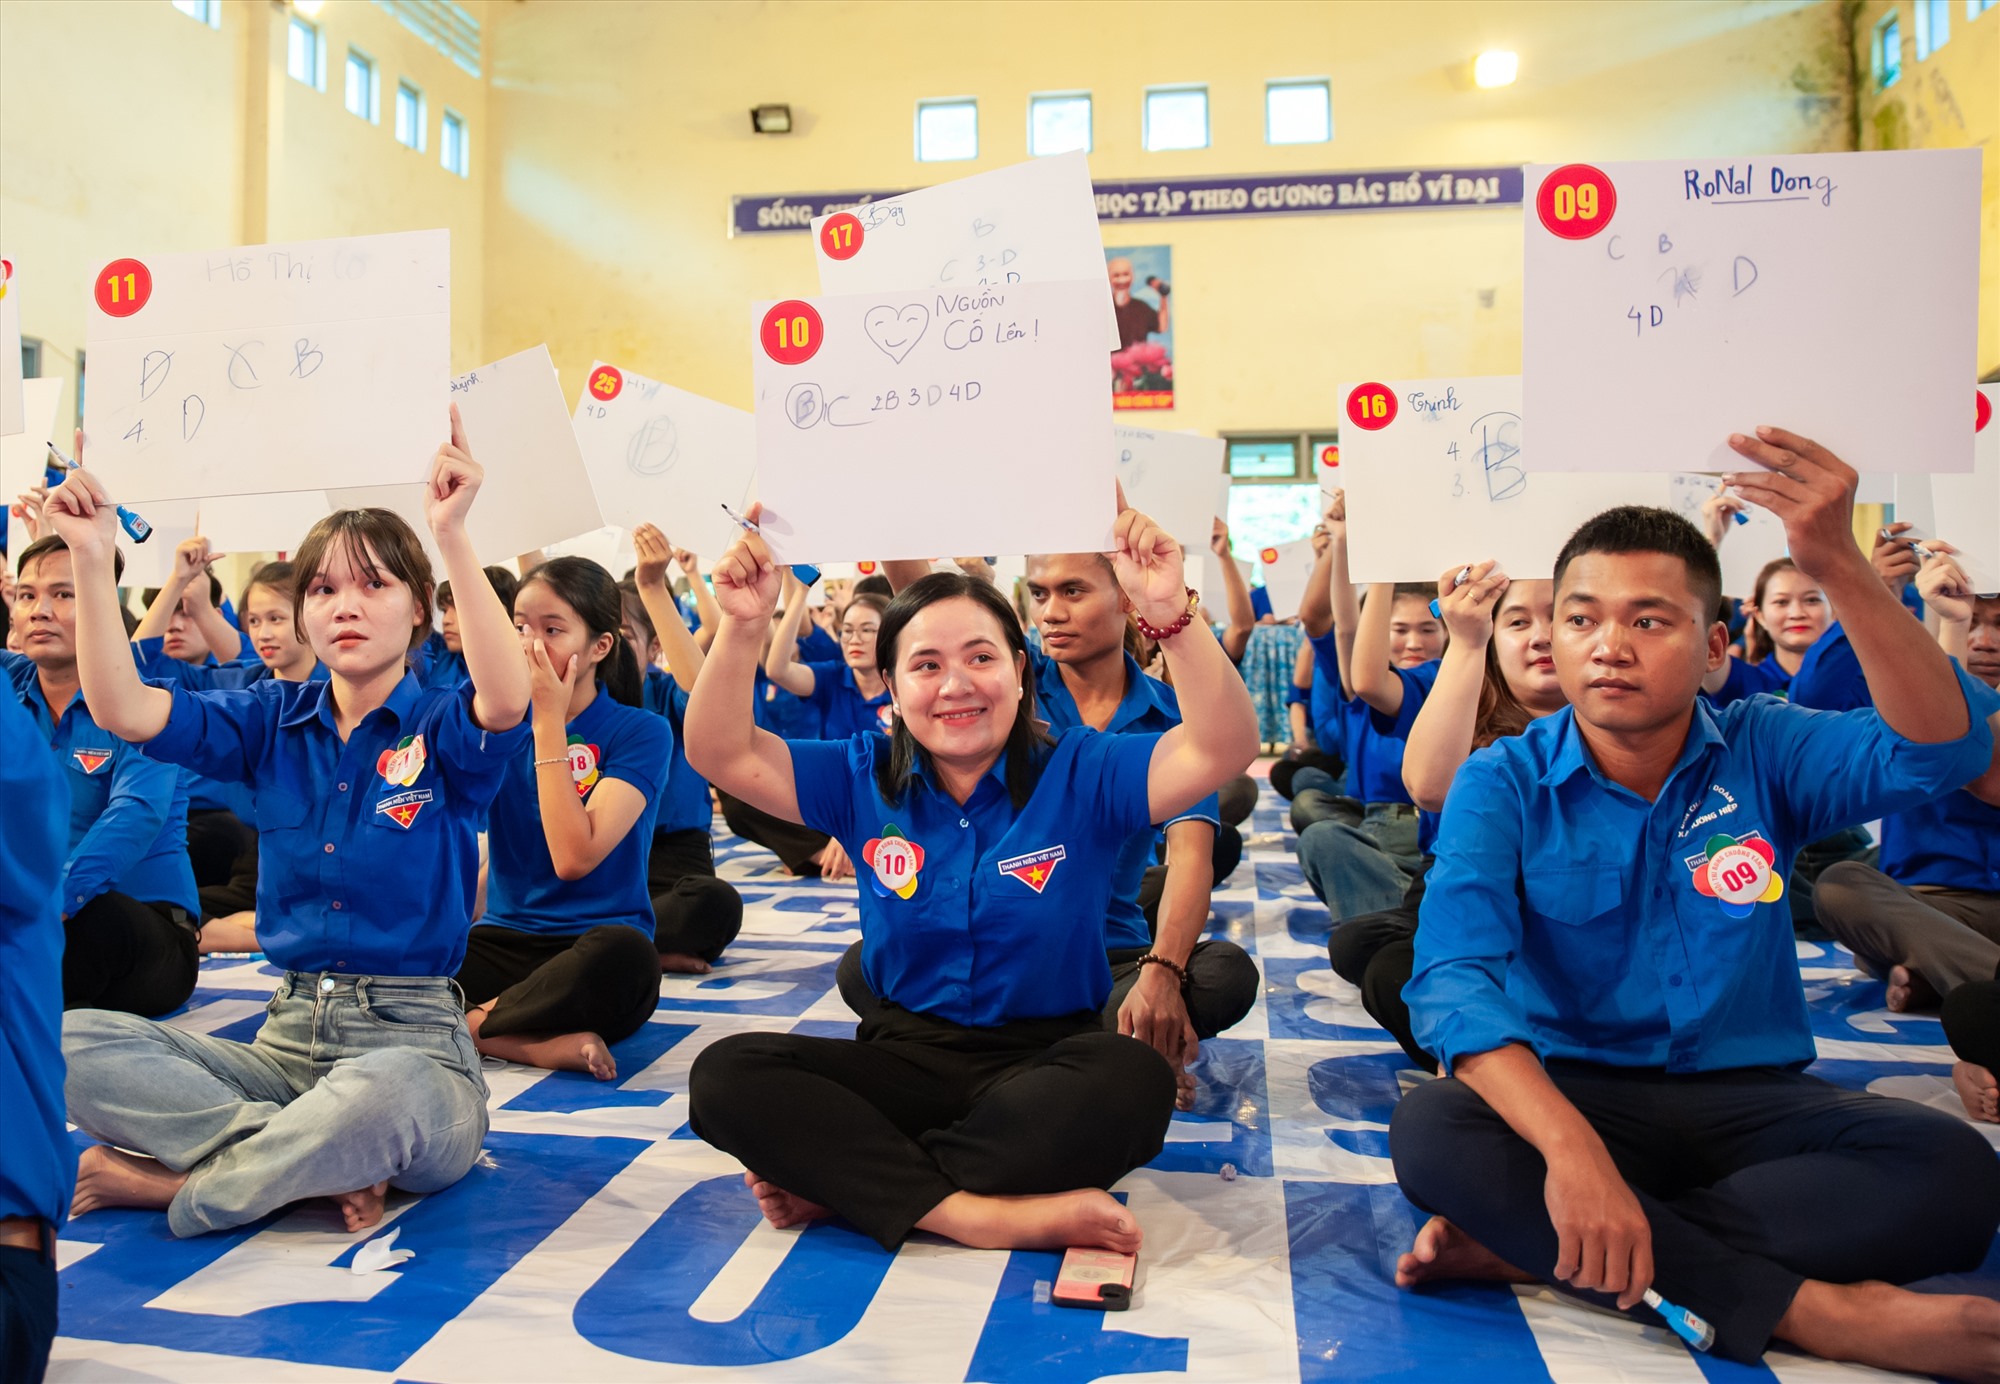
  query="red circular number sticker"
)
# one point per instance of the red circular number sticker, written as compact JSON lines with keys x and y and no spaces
{"x":123,"y":286}
{"x":1329,"y":455}
{"x":791,"y":332}
{"x":605,"y":382}
{"x":1270,"y":555}
{"x":1371,"y":407}
{"x":1982,"y":411}
{"x":840,"y":237}
{"x":866,"y":569}
{"x":1576,"y":201}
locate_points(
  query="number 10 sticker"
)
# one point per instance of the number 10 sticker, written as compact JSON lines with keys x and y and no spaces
{"x":1576,"y":201}
{"x":1371,"y":407}
{"x":791,"y":333}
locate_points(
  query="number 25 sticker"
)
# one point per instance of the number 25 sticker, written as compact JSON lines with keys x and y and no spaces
{"x":605,"y":382}
{"x":791,"y":332}
{"x":840,"y":237}
{"x":1576,"y":201}
{"x":1371,"y":407}
{"x":123,"y":286}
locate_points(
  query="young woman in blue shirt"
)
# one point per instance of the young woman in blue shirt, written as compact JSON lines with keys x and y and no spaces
{"x":985,"y":1102}
{"x":368,"y":792}
{"x":562,"y":964}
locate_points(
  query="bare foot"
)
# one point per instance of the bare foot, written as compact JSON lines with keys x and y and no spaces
{"x":780,"y":1207}
{"x":1978,"y":1089}
{"x":1087,"y":1218}
{"x":681,"y":964}
{"x":110,"y":1177}
{"x":565,"y":1052}
{"x":363,"y":1208}
{"x":1183,"y":1089}
{"x":1892,"y":1328}
{"x":1443,"y":1251}
{"x":1909,"y":990}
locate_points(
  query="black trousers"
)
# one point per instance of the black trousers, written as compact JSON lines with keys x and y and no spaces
{"x":694,"y":913}
{"x":1376,"y":952}
{"x":789,"y":841}
{"x":883,"y":1127}
{"x":1752,"y":1180}
{"x":215,"y":837}
{"x":1284,"y":767}
{"x":237,"y":894}
{"x":27,"y":1313}
{"x":1972,"y":1023}
{"x":137,"y":958}
{"x":605,"y":981}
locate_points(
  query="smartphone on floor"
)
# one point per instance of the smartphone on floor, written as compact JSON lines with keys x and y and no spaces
{"x":1099,"y":1279}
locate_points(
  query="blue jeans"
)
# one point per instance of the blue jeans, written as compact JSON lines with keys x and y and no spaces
{"x":1359,"y":866}
{"x":353,"y":1080}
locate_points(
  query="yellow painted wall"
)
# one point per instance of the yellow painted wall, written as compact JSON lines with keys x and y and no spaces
{"x":1950,"y":100}
{"x":622,"y":129}
{"x":127,"y":128}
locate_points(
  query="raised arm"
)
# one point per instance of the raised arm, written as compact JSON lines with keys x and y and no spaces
{"x":86,"y":518}
{"x":1366,"y":668}
{"x":1441,"y":736}
{"x":190,"y":578}
{"x":1341,"y":594}
{"x":1914,"y":688}
{"x":684,"y":655}
{"x":724,"y":744}
{"x":485,"y":632}
{"x":705,"y":611}
{"x":1236,"y":596}
{"x":1217,"y":736}
{"x":782,"y":664}
{"x":904,"y":571}
{"x":1316,"y":606}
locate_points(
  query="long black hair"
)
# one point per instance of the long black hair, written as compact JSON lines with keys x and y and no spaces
{"x":592,"y":593}
{"x":1027,"y":744}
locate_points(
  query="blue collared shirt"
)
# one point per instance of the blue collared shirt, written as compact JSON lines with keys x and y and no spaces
{"x":1370,"y":743}
{"x":1749,"y":679}
{"x":685,"y":805}
{"x":607,"y":740}
{"x":1563,"y":910}
{"x":127,"y":815}
{"x":843,"y":711}
{"x":1954,"y":839}
{"x":1148,"y":707}
{"x":367,"y":850}
{"x":979,"y":914}
{"x":205,"y":794}
{"x":436,"y":665}
{"x":37,"y":1161}
{"x":784,"y":715}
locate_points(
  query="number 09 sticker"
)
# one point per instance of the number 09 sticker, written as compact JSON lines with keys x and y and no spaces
{"x":791,"y":332}
{"x":1371,"y":407}
{"x":1576,"y":201}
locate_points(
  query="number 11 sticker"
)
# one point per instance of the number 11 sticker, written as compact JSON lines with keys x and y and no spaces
{"x":791,"y":332}
{"x":123,"y":286}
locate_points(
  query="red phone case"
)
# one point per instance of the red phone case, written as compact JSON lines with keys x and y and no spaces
{"x":1098,"y":1279}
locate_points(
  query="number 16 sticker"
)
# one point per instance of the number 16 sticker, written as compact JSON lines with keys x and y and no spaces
{"x":1576,"y":201}
{"x":1371,"y":407}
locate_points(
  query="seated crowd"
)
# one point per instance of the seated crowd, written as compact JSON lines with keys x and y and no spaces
{"x":1566,"y":832}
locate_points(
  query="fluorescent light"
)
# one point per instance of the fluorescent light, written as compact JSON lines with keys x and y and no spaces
{"x":309,"y":8}
{"x":1496,"y":69}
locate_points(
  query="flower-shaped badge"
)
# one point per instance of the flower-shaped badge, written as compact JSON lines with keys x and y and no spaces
{"x":896,"y":860}
{"x":583,"y":765}
{"x":1739,"y":875}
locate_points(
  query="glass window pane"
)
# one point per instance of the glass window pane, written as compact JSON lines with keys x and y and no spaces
{"x":1263,"y":456}
{"x":1177,"y":119}
{"x":409,"y":116}
{"x":301,"y":51}
{"x":1058,"y":124}
{"x":1263,"y":516}
{"x":452,"y":144}
{"x":947,"y":130}
{"x":1298,"y":113}
{"x":360,"y":85}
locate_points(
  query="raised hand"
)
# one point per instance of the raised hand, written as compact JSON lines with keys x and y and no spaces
{"x":1807,"y":487}
{"x":1894,"y":560}
{"x":1149,"y":565}
{"x":82,"y":515}
{"x":1336,"y":515}
{"x":1717,"y":511}
{"x":454,"y":480}
{"x":653,"y":552}
{"x":1467,"y":608}
{"x":549,"y":688}
{"x":192,"y":560}
{"x":1944,"y":586}
{"x":747,"y":580}
{"x":1218,"y":539}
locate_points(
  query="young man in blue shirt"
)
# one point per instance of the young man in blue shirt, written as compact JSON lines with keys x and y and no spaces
{"x":1607,"y":977}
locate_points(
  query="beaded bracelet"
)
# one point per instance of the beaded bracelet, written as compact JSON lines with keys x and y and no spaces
{"x":1155,"y":959}
{"x":1159,"y":633}
{"x":559,"y":759}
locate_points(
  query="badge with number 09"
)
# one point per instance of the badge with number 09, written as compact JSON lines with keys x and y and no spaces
{"x":1371,"y":407}
{"x":123,"y":286}
{"x":1576,"y":202}
{"x":791,"y":332}
{"x":840,"y":237}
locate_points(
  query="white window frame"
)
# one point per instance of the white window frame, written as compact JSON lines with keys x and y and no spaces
{"x":1324,"y":84}
{"x":404,"y":84}
{"x":941,"y":103}
{"x":1180,"y":89}
{"x":373,"y":97}
{"x":296,"y":23}
{"x":445,"y":123}
{"x":1886,"y":75}
{"x":1052,"y":98}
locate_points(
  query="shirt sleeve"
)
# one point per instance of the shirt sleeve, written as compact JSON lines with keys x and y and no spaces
{"x":1470,"y":922}
{"x":1209,"y":810}
{"x":1121,"y":767}
{"x":1326,"y":654}
{"x":1417,"y":683}
{"x":823,"y":778}
{"x":1830,"y":678}
{"x":220,"y":735}
{"x":1833,"y":769}
{"x":645,"y":753}
{"x":477,"y":758}
{"x":142,"y":793}
{"x":826,"y":682}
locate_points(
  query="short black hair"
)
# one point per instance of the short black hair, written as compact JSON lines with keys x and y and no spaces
{"x":152,"y":593}
{"x":54,"y":543}
{"x":504,"y":583}
{"x":1647,"y":529}
{"x":878,"y":584}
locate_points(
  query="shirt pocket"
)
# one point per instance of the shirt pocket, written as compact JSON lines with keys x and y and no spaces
{"x":1575,"y":894}
{"x":280,"y":811}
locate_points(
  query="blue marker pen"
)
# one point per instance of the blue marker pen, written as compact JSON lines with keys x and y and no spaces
{"x":804,"y":571}
{"x":1919,"y":549}
{"x":1685,"y":1324}
{"x":136,"y":529}
{"x":1456,"y":582}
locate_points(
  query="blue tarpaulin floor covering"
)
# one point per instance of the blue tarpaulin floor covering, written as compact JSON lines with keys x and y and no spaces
{"x":599,"y":1240}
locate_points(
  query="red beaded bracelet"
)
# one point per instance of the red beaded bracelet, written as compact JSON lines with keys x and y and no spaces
{"x":1156,"y":633}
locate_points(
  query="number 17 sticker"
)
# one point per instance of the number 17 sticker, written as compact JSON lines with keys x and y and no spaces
{"x":840,"y":237}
